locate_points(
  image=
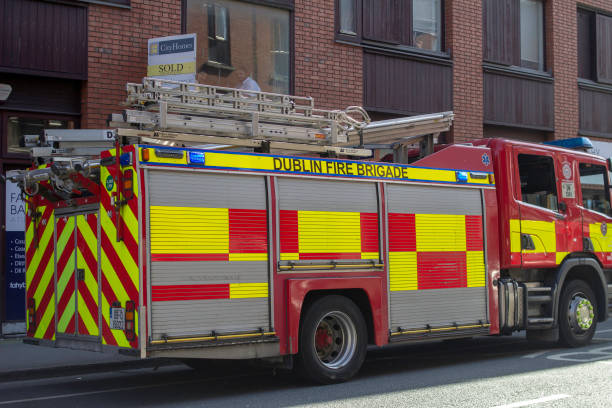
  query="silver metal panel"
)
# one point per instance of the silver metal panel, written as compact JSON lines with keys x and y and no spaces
{"x":188,"y":189}
{"x":437,"y":307}
{"x":201,"y":317}
{"x":208,"y":272}
{"x":327,"y":195}
{"x":409,"y":199}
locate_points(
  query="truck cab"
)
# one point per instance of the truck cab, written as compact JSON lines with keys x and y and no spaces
{"x":554,"y":211}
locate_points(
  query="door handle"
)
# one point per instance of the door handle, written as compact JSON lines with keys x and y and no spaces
{"x":527,"y":242}
{"x":80,"y":274}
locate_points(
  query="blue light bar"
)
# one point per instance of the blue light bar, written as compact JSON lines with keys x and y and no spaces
{"x":573,"y":143}
{"x":197,"y":158}
{"x":125,"y":159}
{"x":462,"y":176}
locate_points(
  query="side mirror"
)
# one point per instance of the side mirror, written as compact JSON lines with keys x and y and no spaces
{"x":562,"y":206}
{"x":609,"y":162}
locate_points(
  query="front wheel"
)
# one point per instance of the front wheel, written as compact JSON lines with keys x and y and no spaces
{"x":333,"y":340}
{"x":577,"y":314}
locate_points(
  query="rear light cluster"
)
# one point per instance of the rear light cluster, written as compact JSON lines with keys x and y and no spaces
{"x":128,"y":184}
{"x":31,"y":315}
{"x":130,"y":320}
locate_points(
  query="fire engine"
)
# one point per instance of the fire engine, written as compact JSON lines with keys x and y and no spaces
{"x":145,"y":243}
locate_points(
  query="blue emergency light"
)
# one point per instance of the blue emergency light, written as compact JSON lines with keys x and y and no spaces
{"x":197,"y":158}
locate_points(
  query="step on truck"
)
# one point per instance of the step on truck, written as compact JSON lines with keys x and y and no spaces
{"x":160,"y":250}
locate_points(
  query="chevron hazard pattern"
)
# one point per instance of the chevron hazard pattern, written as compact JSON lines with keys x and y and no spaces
{"x":66,"y":300}
{"x":87,"y":260}
{"x":39,"y":271}
{"x":118,"y":259}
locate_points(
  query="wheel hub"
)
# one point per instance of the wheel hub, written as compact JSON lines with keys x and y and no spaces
{"x":335,"y":340}
{"x":581,"y":313}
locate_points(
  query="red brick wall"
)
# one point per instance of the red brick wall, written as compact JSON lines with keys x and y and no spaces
{"x":463,"y":24}
{"x":331,"y":73}
{"x":118,"y":52}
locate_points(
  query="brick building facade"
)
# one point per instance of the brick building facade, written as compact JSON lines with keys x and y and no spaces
{"x":528,"y":69}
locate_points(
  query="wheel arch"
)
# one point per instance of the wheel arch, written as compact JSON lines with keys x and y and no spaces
{"x":589,"y":270}
{"x":367,"y":293}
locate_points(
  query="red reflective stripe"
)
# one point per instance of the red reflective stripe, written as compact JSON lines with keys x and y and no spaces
{"x":118,"y":267}
{"x":50,"y":332}
{"x":330,"y":255}
{"x":189,"y":292}
{"x":65,"y":256}
{"x":248,"y":231}
{"x":40,"y":269}
{"x":45,"y":216}
{"x":107,"y":334}
{"x":43,"y":304}
{"x":441,"y":270}
{"x":473,"y":233}
{"x":288,"y":231}
{"x":188,"y":257}
{"x":402,"y":232}
{"x":369,"y":232}
{"x":90,"y":302}
{"x":65,"y":299}
{"x":82,"y":327}
{"x":88,"y":257}
{"x":70,"y":327}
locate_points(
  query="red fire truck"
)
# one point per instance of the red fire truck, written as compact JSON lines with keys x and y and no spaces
{"x":183,"y":252}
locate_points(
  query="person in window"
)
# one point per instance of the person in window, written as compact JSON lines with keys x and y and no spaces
{"x":245,"y":81}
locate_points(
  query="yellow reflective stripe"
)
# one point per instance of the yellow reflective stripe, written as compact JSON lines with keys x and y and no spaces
{"x":431,"y":174}
{"x":64,"y":319}
{"x":130,"y":221}
{"x":403,"y":271}
{"x":90,"y":322}
{"x":44,"y":321}
{"x":45,"y":281}
{"x":440,"y":232}
{"x":111,"y":276}
{"x":475,"y":268}
{"x":290,"y":256}
{"x":44,"y":240}
{"x":515,"y":235}
{"x":249,"y":257}
{"x":370,"y":255}
{"x":248,"y":290}
{"x":127,"y":260}
{"x":543,"y":235}
{"x":561,"y":256}
{"x":326,"y":231}
{"x":201,"y":230}
{"x":601,"y":243}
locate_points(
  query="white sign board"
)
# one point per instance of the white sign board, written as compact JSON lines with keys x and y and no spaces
{"x":15,"y":208}
{"x":173,"y":58}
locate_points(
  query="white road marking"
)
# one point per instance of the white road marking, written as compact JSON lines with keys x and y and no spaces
{"x":603,"y":331}
{"x":534,"y":401}
{"x":137,"y":387}
{"x":536,"y":354}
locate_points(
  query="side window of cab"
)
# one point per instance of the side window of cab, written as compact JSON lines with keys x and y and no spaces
{"x":595,"y":189}
{"x":538,"y":182}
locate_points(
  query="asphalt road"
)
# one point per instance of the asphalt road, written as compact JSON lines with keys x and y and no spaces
{"x":483,"y":372}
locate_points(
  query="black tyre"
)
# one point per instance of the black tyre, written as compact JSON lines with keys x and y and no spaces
{"x":333,"y":341}
{"x":577,"y":314}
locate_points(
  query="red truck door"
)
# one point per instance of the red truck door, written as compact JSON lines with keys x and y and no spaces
{"x":597,"y":213}
{"x":546,"y":211}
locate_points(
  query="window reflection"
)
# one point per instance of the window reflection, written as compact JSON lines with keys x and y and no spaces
{"x":18,"y":127}
{"x":239,"y":42}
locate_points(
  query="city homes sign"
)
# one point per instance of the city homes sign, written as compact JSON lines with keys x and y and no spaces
{"x":173,"y":58}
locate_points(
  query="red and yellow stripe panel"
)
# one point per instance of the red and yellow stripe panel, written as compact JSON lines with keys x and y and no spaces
{"x":118,"y":259}
{"x":602,"y":244}
{"x":66,"y":300}
{"x":311,"y":235}
{"x":208,"y":234}
{"x":164,"y":293}
{"x":87,"y":260}
{"x":39,"y":271}
{"x":435,"y":251}
{"x":544,"y":236}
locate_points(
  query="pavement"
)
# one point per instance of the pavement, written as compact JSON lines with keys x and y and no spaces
{"x":19,"y":361}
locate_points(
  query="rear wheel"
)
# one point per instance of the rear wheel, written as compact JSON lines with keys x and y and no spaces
{"x":333,"y":340}
{"x":577,"y":314}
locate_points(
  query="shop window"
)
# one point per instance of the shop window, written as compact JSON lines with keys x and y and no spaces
{"x":240,"y":43}
{"x":538,"y":182}
{"x":595,"y":191}
{"x":414,"y":23}
{"x":17,"y":127}
{"x":532,"y":34}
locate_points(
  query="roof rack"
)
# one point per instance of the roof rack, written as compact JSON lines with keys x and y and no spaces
{"x":178,"y":112}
